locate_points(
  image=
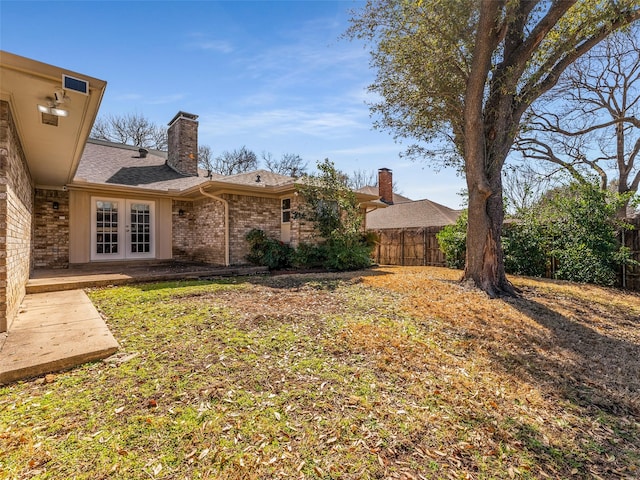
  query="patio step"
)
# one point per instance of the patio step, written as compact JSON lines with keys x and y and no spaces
{"x":53,"y":332}
{"x":73,"y":279}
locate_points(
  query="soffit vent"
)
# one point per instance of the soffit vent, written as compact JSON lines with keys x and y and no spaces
{"x":75,"y":84}
{"x":49,"y":119}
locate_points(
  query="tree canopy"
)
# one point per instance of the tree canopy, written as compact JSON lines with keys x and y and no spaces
{"x":130,"y":129}
{"x":590,"y":125}
{"x":456,"y":77}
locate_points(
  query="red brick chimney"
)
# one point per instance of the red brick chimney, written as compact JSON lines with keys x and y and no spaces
{"x":385,"y":185}
{"x":182,"y":140}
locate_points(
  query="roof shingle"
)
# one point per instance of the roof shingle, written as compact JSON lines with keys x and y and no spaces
{"x":412,"y":214}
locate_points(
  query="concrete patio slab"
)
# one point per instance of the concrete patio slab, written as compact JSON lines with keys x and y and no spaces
{"x":101,"y":276}
{"x":54,"y":331}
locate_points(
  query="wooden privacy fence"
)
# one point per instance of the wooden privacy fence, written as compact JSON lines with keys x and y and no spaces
{"x":419,"y":246}
{"x":408,"y":246}
{"x":630,"y":276}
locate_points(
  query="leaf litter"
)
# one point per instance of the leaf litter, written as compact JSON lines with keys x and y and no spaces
{"x":389,"y":373}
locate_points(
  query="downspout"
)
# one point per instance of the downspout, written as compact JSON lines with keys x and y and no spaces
{"x":226,"y":223}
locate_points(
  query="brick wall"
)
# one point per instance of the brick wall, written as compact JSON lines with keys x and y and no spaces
{"x":182,"y":229}
{"x":247,"y":213}
{"x":16,"y":207}
{"x":51,"y":229}
{"x":302,"y":231}
{"x":198,"y":235}
{"x":182,"y":143}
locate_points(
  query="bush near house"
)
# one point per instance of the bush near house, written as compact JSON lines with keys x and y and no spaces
{"x":268,"y":251}
{"x":337,"y":254}
{"x":453,"y":241}
{"x":332,"y":207}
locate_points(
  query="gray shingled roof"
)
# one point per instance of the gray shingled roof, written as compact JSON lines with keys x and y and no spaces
{"x":110,"y":163}
{"x":413,"y":214}
{"x":266,"y":178}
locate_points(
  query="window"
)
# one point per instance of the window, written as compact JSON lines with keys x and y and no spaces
{"x":286,"y":210}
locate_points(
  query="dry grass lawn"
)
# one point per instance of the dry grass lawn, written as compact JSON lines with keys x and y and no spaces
{"x":389,"y":373}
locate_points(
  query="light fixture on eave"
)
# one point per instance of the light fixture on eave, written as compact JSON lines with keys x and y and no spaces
{"x":53,"y":104}
{"x":52,"y":110}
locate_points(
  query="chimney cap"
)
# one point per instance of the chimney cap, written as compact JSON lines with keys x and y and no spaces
{"x":185,"y":115}
{"x":143,"y":152}
{"x":384,"y":169}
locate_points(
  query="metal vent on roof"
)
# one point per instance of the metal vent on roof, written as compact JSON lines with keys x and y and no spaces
{"x":75,"y":84}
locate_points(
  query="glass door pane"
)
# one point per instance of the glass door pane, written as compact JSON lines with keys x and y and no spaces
{"x":140,"y":229}
{"x":106,"y":230}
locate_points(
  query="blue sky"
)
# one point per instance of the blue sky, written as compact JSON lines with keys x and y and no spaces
{"x":274,"y":76}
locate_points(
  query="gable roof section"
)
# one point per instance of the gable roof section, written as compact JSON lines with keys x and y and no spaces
{"x":421,"y":213}
{"x":265,"y":177}
{"x":108,"y":163}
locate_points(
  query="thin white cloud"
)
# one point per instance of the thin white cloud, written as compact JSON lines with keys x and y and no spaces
{"x":140,"y":99}
{"x":128,"y":97}
{"x":369,"y":149}
{"x":201,"y":41}
{"x":213,"y":45}
{"x":165,"y":99}
{"x":281,"y":122}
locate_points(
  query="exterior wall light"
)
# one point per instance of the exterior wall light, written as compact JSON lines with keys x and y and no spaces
{"x":58,"y":112}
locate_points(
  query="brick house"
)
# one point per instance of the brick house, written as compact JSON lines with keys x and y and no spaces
{"x":66,"y":199}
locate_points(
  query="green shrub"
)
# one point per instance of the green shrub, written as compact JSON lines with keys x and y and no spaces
{"x":309,"y":256}
{"x":267,"y":251}
{"x":582,"y":233}
{"x":452,"y":240}
{"x":335,"y":212}
{"x":348,"y":253}
{"x":523,"y":247}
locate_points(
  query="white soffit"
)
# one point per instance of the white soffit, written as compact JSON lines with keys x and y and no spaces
{"x":52,"y":152}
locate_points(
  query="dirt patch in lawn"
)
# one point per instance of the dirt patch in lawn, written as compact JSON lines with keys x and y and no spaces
{"x":387,"y":373}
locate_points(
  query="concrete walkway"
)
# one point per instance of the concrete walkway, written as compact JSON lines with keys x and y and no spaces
{"x":58,"y":327}
{"x":54,"y":331}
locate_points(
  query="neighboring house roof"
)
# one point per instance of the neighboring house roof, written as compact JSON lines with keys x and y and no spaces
{"x":373,"y":190}
{"x":412,"y":214}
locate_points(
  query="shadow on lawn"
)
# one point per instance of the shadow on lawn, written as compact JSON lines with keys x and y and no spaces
{"x":583,"y":364}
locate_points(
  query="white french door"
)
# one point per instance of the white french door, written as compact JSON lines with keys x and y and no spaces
{"x":122,"y":229}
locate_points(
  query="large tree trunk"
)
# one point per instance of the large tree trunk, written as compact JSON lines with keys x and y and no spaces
{"x":484,"y":266}
{"x":487,"y":137}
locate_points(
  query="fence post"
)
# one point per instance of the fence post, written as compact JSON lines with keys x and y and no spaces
{"x":424,"y":247}
{"x":402,"y":247}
